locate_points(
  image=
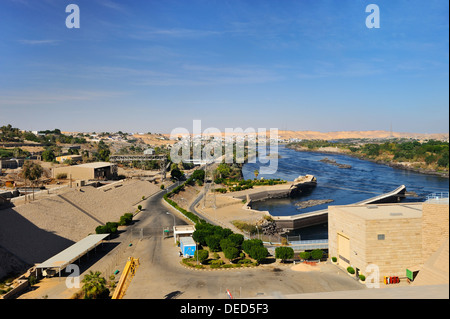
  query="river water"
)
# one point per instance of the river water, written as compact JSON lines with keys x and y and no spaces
{"x":363,"y":180}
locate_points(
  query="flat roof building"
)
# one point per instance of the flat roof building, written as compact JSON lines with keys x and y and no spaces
{"x":394,"y":237}
{"x":11,"y":163}
{"x":89,"y":171}
{"x":180,"y":231}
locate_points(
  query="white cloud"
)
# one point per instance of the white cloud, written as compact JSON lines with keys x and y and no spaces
{"x":39,"y":42}
{"x":40,"y":98}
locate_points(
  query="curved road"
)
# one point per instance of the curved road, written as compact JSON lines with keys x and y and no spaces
{"x":161,"y":275}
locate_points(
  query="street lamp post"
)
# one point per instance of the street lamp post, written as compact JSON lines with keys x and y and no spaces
{"x":173,"y":222}
{"x":173,"y":218}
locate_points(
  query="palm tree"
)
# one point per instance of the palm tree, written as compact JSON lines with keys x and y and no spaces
{"x":256,"y":172}
{"x":94,"y":285}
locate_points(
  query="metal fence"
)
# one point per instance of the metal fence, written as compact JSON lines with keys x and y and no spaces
{"x":309,"y":244}
{"x":439,"y":197}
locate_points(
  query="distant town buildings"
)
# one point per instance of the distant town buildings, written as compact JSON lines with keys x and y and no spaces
{"x":12,"y":163}
{"x":149,"y":151}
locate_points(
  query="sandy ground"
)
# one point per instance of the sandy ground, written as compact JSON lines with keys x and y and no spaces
{"x":305,"y":267}
{"x":228,"y":209}
{"x":224,"y":208}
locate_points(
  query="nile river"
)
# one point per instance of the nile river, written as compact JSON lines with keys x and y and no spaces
{"x":363,"y":180}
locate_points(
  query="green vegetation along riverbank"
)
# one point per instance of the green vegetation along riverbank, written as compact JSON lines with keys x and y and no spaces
{"x":430,"y":157}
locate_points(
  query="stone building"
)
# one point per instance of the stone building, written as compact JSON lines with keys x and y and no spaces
{"x":89,"y":171}
{"x":393,"y":237}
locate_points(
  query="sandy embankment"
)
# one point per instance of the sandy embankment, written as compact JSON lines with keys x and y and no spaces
{"x":305,"y":267}
{"x":225,"y":208}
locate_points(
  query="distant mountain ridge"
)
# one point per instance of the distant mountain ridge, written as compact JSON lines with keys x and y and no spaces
{"x":310,"y":135}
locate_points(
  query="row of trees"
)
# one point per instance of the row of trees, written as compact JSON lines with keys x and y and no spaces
{"x":430,"y":152}
{"x":47,"y":137}
{"x":218,"y":239}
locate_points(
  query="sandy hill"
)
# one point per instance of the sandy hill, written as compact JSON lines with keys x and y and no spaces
{"x":356,"y":135}
{"x":315,"y":135}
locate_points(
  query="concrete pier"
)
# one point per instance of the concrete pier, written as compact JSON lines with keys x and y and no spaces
{"x":321,"y":216}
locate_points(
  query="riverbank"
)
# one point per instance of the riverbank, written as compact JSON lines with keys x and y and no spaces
{"x":409,"y":166}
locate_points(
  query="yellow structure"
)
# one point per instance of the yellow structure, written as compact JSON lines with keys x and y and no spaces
{"x":73,"y":158}
{"x":127,"y":275}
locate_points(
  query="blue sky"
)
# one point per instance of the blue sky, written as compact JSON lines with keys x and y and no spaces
{"x":143,"y":65}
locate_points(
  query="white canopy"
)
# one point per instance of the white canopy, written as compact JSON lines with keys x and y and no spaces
{"x":72,"y":253}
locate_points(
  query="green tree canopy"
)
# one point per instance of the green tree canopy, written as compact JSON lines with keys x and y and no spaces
{"x":32,"y":171}
{"x":94,"y":286}
{"x":284,"y":253}
{"x":202,"y":255}
{"x":48,"y":155}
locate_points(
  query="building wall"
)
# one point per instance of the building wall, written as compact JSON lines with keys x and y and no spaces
{"x":401,"y":247}
{"x":80,"y":172}
{"x":351,"y":227}
{"x":74,"y":172}
{"x":435,"y":220}
{"x":11,"y":163}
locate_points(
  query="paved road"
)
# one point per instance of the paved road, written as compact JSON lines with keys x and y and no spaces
{"x":161,"y":276}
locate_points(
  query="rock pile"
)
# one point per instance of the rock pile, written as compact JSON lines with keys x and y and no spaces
{"x":269,"y":227}
{"x":312,"y":202}
{"x":333,"y":162}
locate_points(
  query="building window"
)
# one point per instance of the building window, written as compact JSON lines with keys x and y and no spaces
{"x":380,"y":236}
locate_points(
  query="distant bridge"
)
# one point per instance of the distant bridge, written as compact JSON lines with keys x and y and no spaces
{"x":321,"y":216}
{"x":141,"y":157}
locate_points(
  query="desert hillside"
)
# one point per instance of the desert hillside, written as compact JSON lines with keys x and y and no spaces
{"x":316,"y":135}
{"x":357,"y":134}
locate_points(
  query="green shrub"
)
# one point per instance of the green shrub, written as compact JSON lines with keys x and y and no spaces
{"x":317,"y":254}
{"x":248,"y":244}
{"x":255,"y":249}
{"x":284,"y":253}
{"x":109,"y":228}
{"x":236,"y":239}
{"x":126,"y":219}
{"x":362,"y":277}
{"x":231,"y":252}
{"x":216,"y":263}
{"x":213,"y":242}
{"x":226,"y":243}
{"x":334,"y":259}
{"x":350,"y":270}
{"x":202,"y":255}
{"x":259,"y":253}
{"x":305,"y":255}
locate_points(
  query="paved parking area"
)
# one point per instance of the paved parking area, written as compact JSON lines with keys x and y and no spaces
{"x":161,"y":276}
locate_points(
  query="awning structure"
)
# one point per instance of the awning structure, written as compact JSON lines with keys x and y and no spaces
{"x":72,"y":253}
{"x":182,"y":230}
